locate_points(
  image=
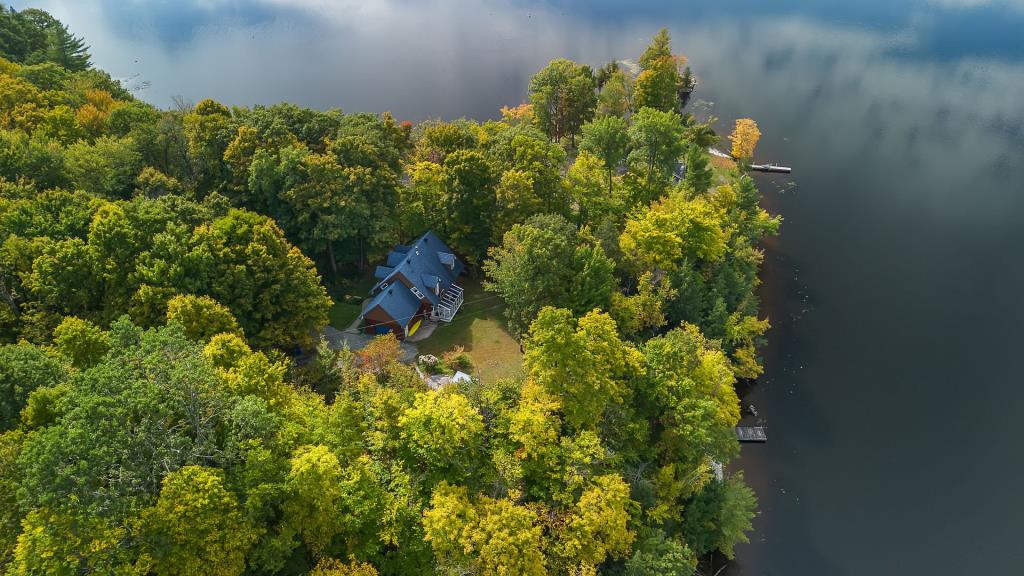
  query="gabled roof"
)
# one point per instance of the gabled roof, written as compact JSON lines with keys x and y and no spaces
{"x":398,"y":301}
{"x":426,"y":263}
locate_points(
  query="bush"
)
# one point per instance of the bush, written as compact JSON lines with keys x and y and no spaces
{"x":458,"y":359}
{"x":432,"y":364}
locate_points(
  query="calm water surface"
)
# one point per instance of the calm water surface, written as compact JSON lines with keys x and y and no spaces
{"x":893,"y":388}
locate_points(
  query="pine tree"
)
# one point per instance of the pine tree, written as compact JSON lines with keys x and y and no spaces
{"x":698,"y":172}
{"x":66,"y":49}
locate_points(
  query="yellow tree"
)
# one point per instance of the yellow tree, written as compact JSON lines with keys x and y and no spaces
{"x":487,"y":537}
{"x":597,"y":527}
{"x":196,"y":526}
{"x":333,"y":567}
{"x":744,"y":138}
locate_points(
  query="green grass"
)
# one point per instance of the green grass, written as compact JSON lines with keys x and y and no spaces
{"x":342,"y":314}
{"x":480,"y":328}
{"x":348,"y":298}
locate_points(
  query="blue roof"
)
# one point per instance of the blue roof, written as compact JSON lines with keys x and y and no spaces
{"x":395,"y":258}
{"x":398,"y":301}
{"x":428,"y":263}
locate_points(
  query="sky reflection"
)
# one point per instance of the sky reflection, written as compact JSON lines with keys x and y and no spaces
{"x":904,"y":123}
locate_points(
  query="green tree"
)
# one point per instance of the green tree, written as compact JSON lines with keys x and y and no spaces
{"x":45,"y":76}
{"x":659,"y":83}
{"x":152,"y":183}
{"x":80,"y":341}
{"x":547,"y":260}
{"x":595,"y":202}
{"x":719,"y":517}
{"x":516,"y":200}
{"x":616,"y":96}
{"x":439,"y":139}
{"x":63,"y":279}
{"x":10,"y":515}
{"x":525,"y":149}
{"x":167,"y":404}
{"x":313,"y":507}
{"x":226,"y":350}
{"x":326,"y":502}
{"x":646,"y":308}
{"x":583,"y":363}
{"x":658,"y":87}
{"x":243,"y":261}
{"x":563,"y":98}
{"x":201,"y":316}
{"x":33,"y":36}
{"x":659,"y":555}
{"x":606,"y":138}
{"x":657,"y":142}
{"x":108,"y":167}
{"x":672,"y":230}
{"x":208,"y":130}
{"x":344,"y":198}
{"x":197,"y":526}
{"x":698,"y":171}
{"x":256,"y":375}
{"x":470,"y":201}
{"x":23,"y":369}
{"x":66,"y":49}
{"x":35,"y":158}
{"x":693,"y":387}
{"x":54,"y":542}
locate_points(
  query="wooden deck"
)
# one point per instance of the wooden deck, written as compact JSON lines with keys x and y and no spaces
{"x":751,"y":434}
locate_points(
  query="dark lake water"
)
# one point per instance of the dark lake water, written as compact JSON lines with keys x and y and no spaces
{"x":893,"y":394}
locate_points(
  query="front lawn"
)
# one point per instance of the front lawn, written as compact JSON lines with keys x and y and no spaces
{"x":480,"y":328}
{"x":348,"y":299}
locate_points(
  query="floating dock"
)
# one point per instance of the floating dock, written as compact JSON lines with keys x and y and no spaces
{"x":751,"y":434}
{"x":771,"y":168}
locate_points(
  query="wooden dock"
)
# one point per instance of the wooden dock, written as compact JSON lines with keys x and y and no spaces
{"x":751,"y":434}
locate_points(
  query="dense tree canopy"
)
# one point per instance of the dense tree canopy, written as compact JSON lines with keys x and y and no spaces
{"x":164,"y":275}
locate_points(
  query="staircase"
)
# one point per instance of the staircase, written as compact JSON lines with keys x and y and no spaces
{"x":451,"y":300}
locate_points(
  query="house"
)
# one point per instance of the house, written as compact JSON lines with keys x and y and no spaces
{"x":418,"y":282}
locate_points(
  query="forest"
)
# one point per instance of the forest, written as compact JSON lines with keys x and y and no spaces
{"x":162,"y":270}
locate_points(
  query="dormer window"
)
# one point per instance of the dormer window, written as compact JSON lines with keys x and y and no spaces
{"x":417,"y":292}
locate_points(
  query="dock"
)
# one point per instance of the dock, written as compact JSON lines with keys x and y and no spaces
{"x":771,"y":168}
{"x":751,"y":434}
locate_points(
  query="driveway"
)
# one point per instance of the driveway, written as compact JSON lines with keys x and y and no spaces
{"x":337,"y":339}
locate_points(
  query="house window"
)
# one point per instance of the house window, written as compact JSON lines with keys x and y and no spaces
{"x":417,"y":292}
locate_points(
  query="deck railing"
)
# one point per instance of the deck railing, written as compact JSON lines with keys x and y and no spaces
{"x":451,"y":301}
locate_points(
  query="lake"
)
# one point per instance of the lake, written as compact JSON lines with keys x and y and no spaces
{"x":896,"y":292}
